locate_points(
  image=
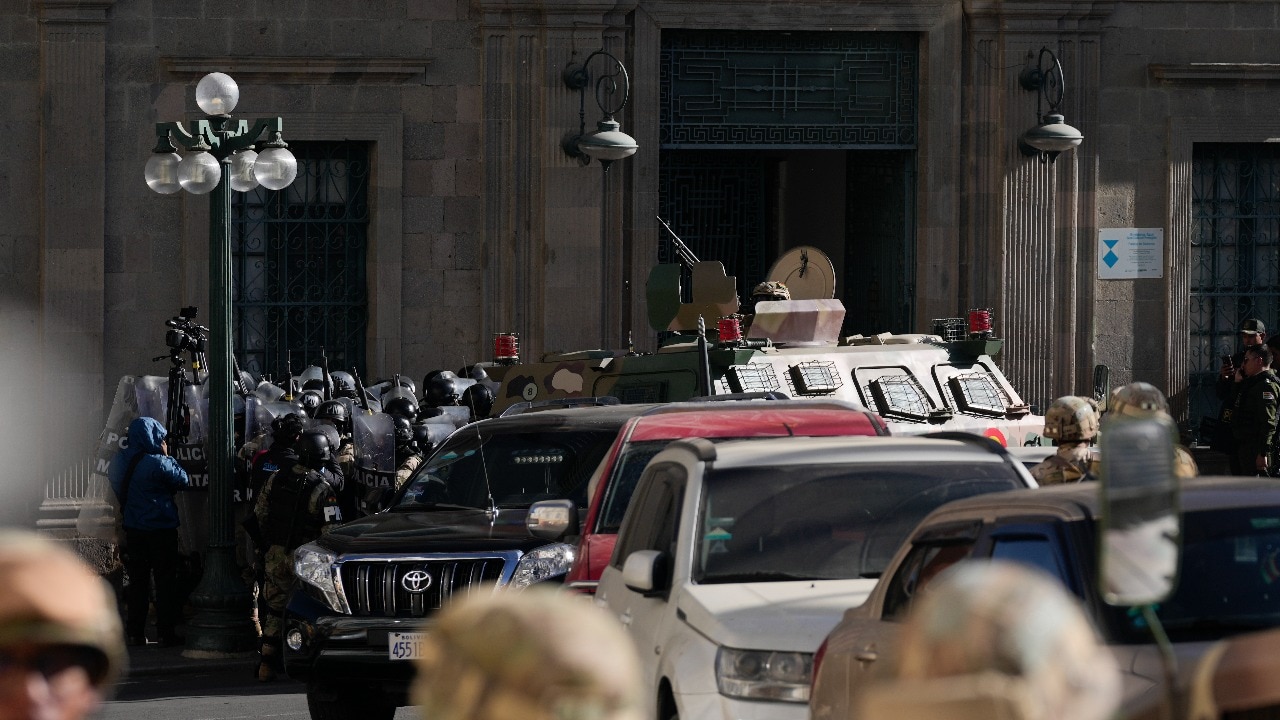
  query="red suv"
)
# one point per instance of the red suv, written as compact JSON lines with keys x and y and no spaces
{"x":644,"y":436}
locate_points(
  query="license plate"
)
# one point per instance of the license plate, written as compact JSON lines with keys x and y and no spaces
{"x":405,"y":646}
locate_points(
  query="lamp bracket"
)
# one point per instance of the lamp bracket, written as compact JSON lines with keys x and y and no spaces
{"x":1045,"y":78}
{"x":220,"y":135}
{"x":613,"y":80}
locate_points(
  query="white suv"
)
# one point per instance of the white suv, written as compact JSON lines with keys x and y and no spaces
{"x":735,"y":559}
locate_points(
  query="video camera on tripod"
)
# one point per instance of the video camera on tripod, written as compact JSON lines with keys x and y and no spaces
{"x":184,"y":335}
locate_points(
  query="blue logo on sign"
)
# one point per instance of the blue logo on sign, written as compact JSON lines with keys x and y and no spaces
{"x":1110,"y":258}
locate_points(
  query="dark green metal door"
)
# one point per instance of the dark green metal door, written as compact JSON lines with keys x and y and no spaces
{"x":300,"y":264}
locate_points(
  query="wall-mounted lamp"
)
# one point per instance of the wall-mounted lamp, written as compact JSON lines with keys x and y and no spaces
{"x":1052,"y":135}
{"x":608,"y":142}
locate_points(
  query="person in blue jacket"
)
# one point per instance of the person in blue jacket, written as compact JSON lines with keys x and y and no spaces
{"x":145,"y":480}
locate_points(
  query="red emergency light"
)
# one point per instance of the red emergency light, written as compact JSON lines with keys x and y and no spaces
{"x":980,"y":322}
{"x":506,"y":348}
{"x":729,"y":329}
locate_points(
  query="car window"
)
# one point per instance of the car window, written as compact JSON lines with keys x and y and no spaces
{"x":818,"y":522}
{"x":1229,"y":578}
{"x":515,"y":468}
{"x":654,"y":518}
{"x":622,"y":484}
{"x":1034,"y":550}
{"x":922,"y":564}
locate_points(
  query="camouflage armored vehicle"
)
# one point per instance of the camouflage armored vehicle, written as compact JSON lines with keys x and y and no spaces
{"x":918,"y":383}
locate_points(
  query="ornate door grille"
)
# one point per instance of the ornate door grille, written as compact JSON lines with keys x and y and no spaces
{"x":1235,"y":255}
{"x":768,"y":90}
{"x":299,"y":258}
{"x":715,"y":201}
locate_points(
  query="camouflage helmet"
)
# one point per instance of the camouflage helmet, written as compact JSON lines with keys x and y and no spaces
{"x":1138,"y":399}
{"x":983,"y":620}
{"x":536,"y":654}
{"x":771,"y":290}
{"x":52,"y":597}
{"x":1071,"y":419}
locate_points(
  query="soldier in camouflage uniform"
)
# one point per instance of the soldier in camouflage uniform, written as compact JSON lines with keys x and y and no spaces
{"x":533,"y":655}
{"x":995,"y":639}
{"x":408,"y":454}
{"x":1144,"y":400}
{"x":1072,"y":423}
{"x":1253,"y":417}
{"x":295,"y":507}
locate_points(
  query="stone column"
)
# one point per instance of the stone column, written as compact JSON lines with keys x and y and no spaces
{"x":72,"y":180}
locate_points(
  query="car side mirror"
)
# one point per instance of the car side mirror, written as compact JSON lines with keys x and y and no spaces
{"x":647,"y":572}
{"x":1141,"y":529}
{"x":552,"y":519}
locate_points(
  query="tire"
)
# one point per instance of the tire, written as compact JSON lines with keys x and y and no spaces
{"x":345,"y":705}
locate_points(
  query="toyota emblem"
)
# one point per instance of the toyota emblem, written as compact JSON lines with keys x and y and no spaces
{"x":416,"y":581}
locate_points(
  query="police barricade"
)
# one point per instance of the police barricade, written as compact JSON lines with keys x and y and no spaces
{"x":375,"y":450}
{"x":99,"y":514}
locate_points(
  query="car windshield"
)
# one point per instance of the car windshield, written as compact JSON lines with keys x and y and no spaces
{"x":1229,"y":580}
{"x":516,"y":468}
{"x":822,"y":522}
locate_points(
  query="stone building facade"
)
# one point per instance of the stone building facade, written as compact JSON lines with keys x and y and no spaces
{"x":477,"y":222}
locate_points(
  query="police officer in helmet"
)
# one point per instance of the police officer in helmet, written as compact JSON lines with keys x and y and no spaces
{"x":295,"y":507}
{"x":408,"y":454}
{"x":1071,"y":422}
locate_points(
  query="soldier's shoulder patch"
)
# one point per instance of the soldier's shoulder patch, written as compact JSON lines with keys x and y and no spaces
{"x":1268,"y":395}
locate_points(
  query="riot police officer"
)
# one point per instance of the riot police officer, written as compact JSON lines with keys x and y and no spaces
{"x":344,"y":384}
{"x":1071,"y":422}
{"x":336,"y":414}
{"x":408,"y":454}
{"x":295,"y":507}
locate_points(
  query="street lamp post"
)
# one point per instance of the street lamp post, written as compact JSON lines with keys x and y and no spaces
{"x":221,"y":158}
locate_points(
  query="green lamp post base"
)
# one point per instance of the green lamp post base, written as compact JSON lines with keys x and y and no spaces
{"x":223,"y":624}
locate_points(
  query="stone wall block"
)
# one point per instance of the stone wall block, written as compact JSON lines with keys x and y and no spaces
{"x":1206,"y":15}
{"x":469,"y":103}
{"x":461,"y":214}
{"x":455,"y":68}
{"x":467,"y":177}
{"x":445,"y":107}
{"x":417,"y":178}
{"x":432,"y":9}
{"x":424,"y":141}
{"x":1255,"y":15}
{"x":463,"y":139}
{"x":417,"y":102}
{"x":423,"y":214}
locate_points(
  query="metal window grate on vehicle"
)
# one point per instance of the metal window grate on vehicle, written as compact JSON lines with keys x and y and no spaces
{"x":413,"y":587}
{"x":816,"y":377}
{"x":977,"y":393}
{"x":752,"y":378}
{"x":900,"y":396}
{"x":950,"y":329}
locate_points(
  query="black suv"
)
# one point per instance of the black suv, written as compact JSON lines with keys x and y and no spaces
{"x":353,"y":629}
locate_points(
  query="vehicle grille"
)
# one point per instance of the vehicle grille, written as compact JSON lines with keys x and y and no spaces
{"x":378,"y":588}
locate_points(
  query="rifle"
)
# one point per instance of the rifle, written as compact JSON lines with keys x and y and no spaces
{"x":682,"y":250}
{"x":364,"y":396}
{"x":240,"y":383}
{"x":291,"y":389}
{"x":328,"y":381}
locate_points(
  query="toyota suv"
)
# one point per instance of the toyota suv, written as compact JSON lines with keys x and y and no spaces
{"x":459,"y":524}
{"x":735,"y":559}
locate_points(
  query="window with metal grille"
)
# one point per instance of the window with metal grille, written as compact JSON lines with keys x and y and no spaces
{"x":299,"y":253}
{"x":1234,"y":258}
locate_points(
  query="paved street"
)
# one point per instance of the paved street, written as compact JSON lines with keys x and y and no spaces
{"x":163,"y":685}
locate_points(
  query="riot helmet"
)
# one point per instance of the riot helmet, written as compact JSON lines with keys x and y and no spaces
{"x":286,"y":429}
{"x":1138,"y":399}
{"x":344,"y":384}
{"x":402,"y":407}
{"x":770,"y":290}
{"x":310,"y":401}
{"x":403,"y":430}
{"x":475,"y":372}
{"x":336,"y":413}
{"x":406,"y":383}
{"x":442,"y":389}
{"x":1071,"y":419}
{"x":422,"y":437}
{"x":313,"y":449}
{"x":479,"y":399}
{"x":316,"y":384}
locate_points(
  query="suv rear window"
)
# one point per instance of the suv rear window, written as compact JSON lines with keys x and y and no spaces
{"x":823,"y":522}
{"x":516,"y":468}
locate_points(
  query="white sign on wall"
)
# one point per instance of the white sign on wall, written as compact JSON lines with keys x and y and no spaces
{"x":1130,"y":253}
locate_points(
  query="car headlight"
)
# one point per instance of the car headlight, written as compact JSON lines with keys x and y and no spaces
{"x":317,"y":567}
{"x":542,"y":564}
{"x":764,"y":674}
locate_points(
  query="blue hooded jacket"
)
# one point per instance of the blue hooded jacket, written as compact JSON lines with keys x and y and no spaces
{"x":149,"y":505}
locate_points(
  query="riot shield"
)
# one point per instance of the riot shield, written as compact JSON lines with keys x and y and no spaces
{"x":99,"y":512}
{"x":268,"y":392}
{"x":265,"y":412}
{"x":375,"y":447}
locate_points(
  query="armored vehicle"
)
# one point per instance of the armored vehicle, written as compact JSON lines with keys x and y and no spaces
{"x":919,"y":383}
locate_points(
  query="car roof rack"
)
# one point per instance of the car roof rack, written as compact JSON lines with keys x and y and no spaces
{"x":699,"y":403}
{"x":522,"y":408}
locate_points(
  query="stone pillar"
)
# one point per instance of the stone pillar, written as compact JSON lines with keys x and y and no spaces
{"x":72,"y":165}
{"x":1031,"y":225}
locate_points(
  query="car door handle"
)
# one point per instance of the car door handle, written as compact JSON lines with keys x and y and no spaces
{"x":867,"y":654}
{"x":625,"y":618}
